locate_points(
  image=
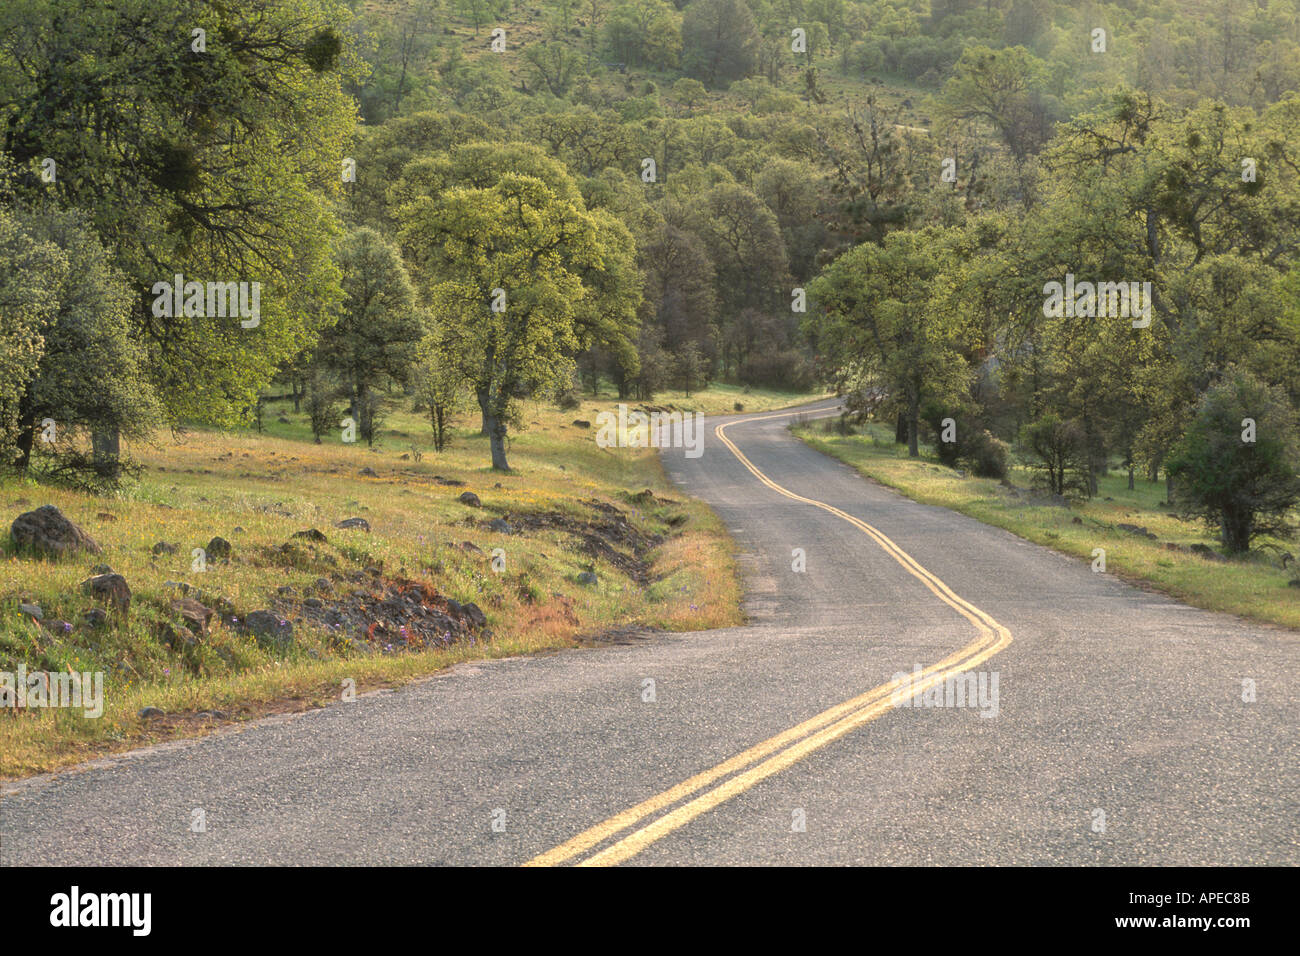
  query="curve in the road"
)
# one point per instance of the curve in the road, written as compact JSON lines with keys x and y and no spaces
{"x":741,"y":772}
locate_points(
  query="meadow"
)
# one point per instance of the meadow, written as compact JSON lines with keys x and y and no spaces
{"x":571,"y":510}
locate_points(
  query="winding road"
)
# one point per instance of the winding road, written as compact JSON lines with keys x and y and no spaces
{"x":1104,"y":725}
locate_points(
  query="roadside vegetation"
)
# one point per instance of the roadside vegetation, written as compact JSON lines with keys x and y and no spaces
{"x":568,"y":509}
{"x":1144,"y":540}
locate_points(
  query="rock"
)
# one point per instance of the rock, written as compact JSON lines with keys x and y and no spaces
{"x":109,"y":589}
{"x":58,"y":627}
{"x":581,"y":423}
{"x":149,"y":713}
{"x":269,"y":627}
{"x":46,"y":532}
{"x":470,"y":499}
{"x":1208,"y":553}
{"x":368,"y":472}
{"x":1135,"y":529}
{"x":237,"y":529}
{"x":32,"y":611}
{"x":474,"y":614}
{"x":1293,"y":583}
{"x":94,"y":618}
{"x":195,"y":615}
{"x":284,"y":590}
{"x":449,"y":482}
{"x":469,"y":547}
{"x":105,"y":516}
{"x":361,"y":523}
{"x":218,"y":549}
{"x":499,"y":526}
{"x":162,"y":547}
{"x":323,"y":585}
{"x":176,"y":636}
{"x":403,"y":457}
{"x":586,"y":577}
{"x":311,"y":534}
{"x":1076,"y":520}
{"x":102,"y":569}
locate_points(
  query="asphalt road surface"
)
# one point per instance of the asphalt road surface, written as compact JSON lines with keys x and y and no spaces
{"x":1118,"y":733}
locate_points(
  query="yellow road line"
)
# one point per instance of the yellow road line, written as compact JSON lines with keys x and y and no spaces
{"x":799,"y":741}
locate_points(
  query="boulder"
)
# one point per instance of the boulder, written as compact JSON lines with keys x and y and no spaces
{"x":162,"y":547}
{"x":499,"y":526}
{"x":195,"y":615}
{"x":587,"y":577}
{"x":311,"y":534}
{"x":474,"y":614}
{"x":470,"y":499}
{"x":46,"y":532}
{"x":109,"y":589}
{"x":360,"y":523}
{"x":218,"y":549}
{"x":33,"y":611}
{"x":269,"y":628}
{"x":177,"y":637}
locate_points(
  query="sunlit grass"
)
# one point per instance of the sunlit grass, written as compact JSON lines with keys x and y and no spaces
{"x":238,"y":484}
{"x":1252,"y":587}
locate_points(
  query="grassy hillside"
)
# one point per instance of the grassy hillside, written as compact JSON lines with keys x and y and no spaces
{"x":570,"y":506}
{"x":1256,"y":587}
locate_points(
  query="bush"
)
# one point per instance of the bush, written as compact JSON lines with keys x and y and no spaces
{"x":989,"y":457}
{"x":786,"y":369}
{"x":1056,"y":449}
{"x":1245,"y":488}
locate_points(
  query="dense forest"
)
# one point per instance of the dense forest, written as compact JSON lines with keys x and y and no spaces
{"x":1065,"y":231}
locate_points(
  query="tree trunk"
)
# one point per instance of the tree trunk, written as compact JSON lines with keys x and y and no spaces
{"x":913,"y":429}
{"x":1130,"y":478}
{"x":26,"y":439}
{"x":106,"y":446}
{"x":1169,"y":488}
{"x":900,"y":428}
{"x":482,"y":396}
{"x":497,"y":441}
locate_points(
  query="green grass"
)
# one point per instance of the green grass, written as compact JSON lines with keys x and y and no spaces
{"x":214,"y":482}
{"x":1252,"y":587}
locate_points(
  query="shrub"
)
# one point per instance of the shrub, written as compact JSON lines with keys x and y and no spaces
{"x":988,"y":458}
{"x":786,"y":369}
{"x":1245,"y":488}
{"x":1056,"y":449}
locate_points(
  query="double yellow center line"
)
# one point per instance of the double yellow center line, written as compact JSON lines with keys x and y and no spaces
{"x":771,"y":756}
